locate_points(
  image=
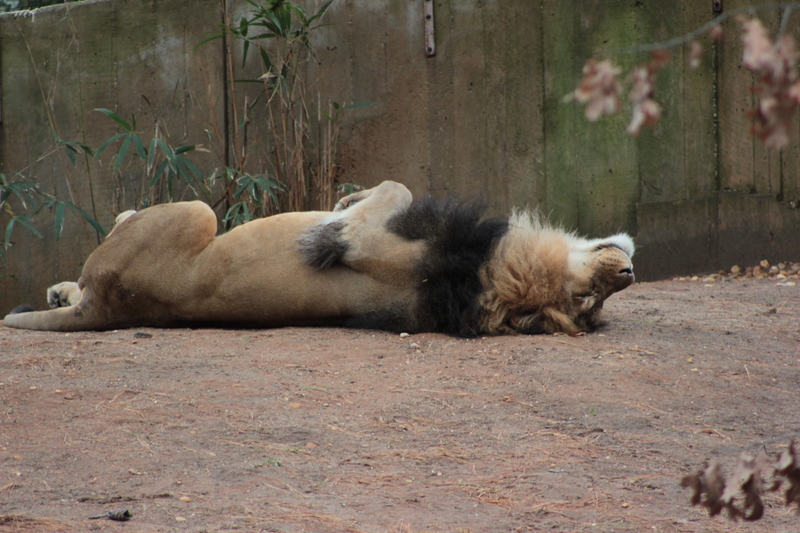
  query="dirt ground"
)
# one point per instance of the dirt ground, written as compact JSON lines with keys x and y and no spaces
{"x":333,"y":430}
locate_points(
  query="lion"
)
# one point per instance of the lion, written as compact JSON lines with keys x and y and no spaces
{"x":379,"y":260}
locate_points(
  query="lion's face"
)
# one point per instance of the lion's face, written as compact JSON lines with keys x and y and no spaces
{"x":597,"y":274}
{"x":544,"y":280}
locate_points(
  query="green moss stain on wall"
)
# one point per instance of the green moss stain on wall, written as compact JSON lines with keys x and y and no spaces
{"x":591,"y":169}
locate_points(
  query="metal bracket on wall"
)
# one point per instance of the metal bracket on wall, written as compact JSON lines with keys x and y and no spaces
{"x":430,"y":36}
{"x":716,"y":6}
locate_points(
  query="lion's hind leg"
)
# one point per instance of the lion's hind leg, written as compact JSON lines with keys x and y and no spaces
{"x":64,"y":294}
{"x":68,"y":293}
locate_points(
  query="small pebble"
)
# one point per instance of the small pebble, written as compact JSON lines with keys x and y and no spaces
{"x":781,"y":272}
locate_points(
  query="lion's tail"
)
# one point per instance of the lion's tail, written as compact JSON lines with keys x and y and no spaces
{"x":61,"y":319}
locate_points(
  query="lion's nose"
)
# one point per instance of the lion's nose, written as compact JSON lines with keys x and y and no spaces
{"x":624,"y":279}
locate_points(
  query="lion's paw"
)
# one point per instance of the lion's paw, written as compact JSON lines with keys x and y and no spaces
{"x":64,"y":294}
{"x":122,"y":217}
{"x":351,"y":199}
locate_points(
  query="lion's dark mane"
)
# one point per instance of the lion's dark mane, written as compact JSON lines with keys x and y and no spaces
{"x":460,"y":242}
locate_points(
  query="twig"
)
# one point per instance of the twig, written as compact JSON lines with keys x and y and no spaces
{"x":670,"y":43}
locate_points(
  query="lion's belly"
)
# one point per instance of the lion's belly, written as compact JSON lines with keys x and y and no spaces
{"x":292,"y":298}
{"x":255,"y":275}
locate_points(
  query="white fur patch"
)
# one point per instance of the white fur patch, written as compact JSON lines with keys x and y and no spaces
{"x":332,"y":217}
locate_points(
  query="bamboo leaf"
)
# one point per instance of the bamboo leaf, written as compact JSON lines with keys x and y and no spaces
{"x":245,"y":50}
{"x":356,"y":106}
{"x":301,"y":14}
{"x":23,"y":191}
{"x":165,"y":148}
{"x":265,"y":60}
{"x":25,"y":221}
{"x":193,"y":169}
{"x":86,"y":149}
{"x":105,"y":144}
{"x":170,"y":184}
{"x":116,"y":118}
{"x":59,"y":219}
{"x":123,"y":151}
{"x":321,"y":11}
{"x":159,"y":171}
{"x":270,"y":35}
{"x":9,"y":229}
{"x":137,"y":141}
{"x":70,"y":152}
{"x":94,"y":223}
{"x":213,"y":37}
{"x":152,"y":153}
{"x":184,"y":149}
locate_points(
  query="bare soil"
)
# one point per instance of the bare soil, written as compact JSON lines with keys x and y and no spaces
{"x":334,"y":430}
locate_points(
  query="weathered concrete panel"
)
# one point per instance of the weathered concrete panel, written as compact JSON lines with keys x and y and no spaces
{"x":755,"y":225}
{"x":717,"y":232}
{"x":676,"y":237}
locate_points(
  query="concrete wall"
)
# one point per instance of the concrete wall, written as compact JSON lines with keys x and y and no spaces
{"x":483,"y":116}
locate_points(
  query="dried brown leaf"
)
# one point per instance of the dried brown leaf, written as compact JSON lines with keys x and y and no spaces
{"x":709,"y":482}
{"x":789,"y":468}
{"x":749,"y":480}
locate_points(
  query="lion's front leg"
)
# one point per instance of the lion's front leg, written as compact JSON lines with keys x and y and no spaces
{"x":386,"y":197}
{"x":64,"y":294}
{"x":357,"y":234}
{"x":351,"y":199}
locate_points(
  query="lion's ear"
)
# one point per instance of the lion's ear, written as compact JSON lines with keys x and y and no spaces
{"x":622,"y":241}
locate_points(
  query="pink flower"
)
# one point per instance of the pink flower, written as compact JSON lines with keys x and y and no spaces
{"x":695,"y":53}
{"x":775,"y":69}
{"x":599,"y":89}
{"x":646,"y":111}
